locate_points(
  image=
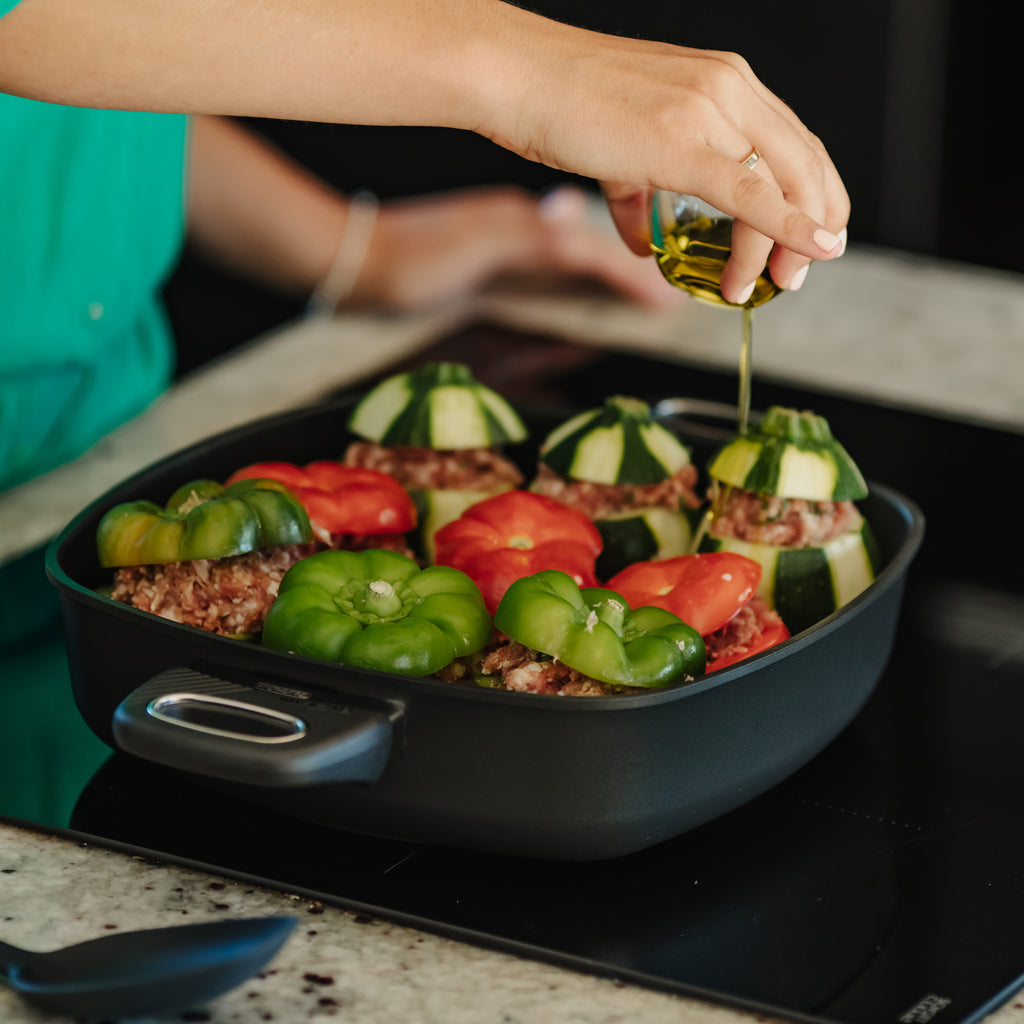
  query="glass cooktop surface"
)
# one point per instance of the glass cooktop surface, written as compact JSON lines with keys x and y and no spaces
{"x":882,"y":882}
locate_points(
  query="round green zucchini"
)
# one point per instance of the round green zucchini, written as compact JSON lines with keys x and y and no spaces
{"x":790,"y":454}
{"x":440,"y":405}
{"x":618,"y":443}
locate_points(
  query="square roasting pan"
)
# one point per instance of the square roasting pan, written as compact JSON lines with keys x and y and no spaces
{"x":560,"y":778}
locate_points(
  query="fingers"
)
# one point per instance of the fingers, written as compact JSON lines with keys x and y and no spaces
{"x":654,"y":116}
{"x":755,"y":252}
{"x":750,"y":252}
{"x":789,"y":269}
{"x":750,"y":249}
{"x":805,"y":193}
{"x":789,"y":208}
{"x":793,"y":195}
{"x":768,"y":216}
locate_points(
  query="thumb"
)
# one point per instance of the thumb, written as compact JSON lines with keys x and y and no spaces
{"x":630,"y":209}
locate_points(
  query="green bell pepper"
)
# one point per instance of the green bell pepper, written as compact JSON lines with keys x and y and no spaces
{"x":202,"y":519}
{"x":377,"y":609}
{"x":594,"y":631}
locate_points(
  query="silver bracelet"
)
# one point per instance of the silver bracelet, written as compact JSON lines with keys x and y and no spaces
{"x":339,"y":281}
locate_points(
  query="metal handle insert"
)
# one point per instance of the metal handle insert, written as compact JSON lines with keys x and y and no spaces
{"x":224,"y":716}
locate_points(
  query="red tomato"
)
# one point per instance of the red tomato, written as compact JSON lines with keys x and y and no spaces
{"x":773,"y":633}
{"x":518,"y":533}
{"x":704,"y":590}
{"x":340,"y":498}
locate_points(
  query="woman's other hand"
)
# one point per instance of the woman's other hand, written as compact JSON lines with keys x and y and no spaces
{"x":434,"y":249}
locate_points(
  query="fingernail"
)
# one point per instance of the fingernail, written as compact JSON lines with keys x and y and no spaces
{"x":798,"y":279}
{"x":825,"y":239}
{"x":842,"y":241}
{"x":745,"y":294}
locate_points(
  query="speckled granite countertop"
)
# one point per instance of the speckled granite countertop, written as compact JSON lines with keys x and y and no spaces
{"x":336,"y":964}
{"x":896,"y":329}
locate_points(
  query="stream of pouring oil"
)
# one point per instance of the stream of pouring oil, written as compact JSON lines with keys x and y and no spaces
{"x":746,"y":369}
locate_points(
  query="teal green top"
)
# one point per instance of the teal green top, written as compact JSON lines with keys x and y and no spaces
{"x":92,"y":208}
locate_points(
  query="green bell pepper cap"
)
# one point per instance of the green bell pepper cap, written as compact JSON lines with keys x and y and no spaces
{"x":594,"y":631}
{"x":202,"y":519}
{"x":377,"y":609}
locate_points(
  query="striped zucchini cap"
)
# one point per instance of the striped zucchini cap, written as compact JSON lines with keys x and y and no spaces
{"x":790,"y":454}
{"x":440,"y":405}
{"x":618,"y":443}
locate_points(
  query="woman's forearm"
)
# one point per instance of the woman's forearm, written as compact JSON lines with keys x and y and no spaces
{"x":252,"y":208}
{"x":353,"y":61}
{"x":619,"y":110}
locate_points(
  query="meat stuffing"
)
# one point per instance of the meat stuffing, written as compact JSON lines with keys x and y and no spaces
{"x":222,"y":595}
{"x":601,"y":500}
{"x":229,"y":596}
{"x":475,"y":469}
{"x":736,"y":636}
{"x":509,"y":665}
{"x":781,"y":522}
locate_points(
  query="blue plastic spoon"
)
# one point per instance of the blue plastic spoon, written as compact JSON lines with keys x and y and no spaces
{"x":158,"y":970}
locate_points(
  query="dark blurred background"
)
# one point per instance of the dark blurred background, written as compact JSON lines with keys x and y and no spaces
{"x":911,"y":97}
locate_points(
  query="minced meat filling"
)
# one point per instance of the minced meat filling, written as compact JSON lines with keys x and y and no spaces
{"x":227,"y":595}
{"x":598,"y":500}
{"x":223,"y":595}
{"x":735,"y":637}
{"x":782,"y":522}
{"x":509,"y":665}
{"x":475,"y":469}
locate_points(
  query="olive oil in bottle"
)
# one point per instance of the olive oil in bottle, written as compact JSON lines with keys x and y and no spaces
{"x":693,"y":255}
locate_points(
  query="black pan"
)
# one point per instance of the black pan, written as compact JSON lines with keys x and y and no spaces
{"x":425,"y":761}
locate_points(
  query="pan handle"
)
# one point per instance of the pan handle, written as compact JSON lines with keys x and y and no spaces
{"x":260,"y":735}
{"x":699,"y":418}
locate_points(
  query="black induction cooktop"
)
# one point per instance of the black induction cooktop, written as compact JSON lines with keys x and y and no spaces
{"x":884,"y":882}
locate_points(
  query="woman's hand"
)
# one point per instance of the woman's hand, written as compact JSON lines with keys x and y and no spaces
{"x":639,"y":115}
{"x":431,"y":250}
